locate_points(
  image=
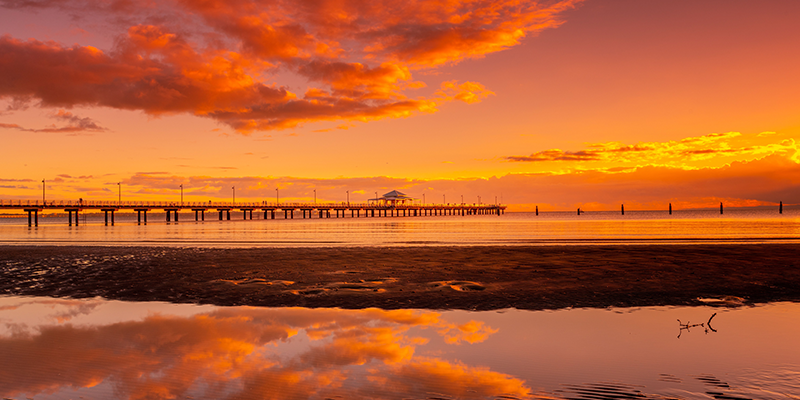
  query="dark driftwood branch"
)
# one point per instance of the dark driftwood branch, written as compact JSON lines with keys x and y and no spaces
{"x":709,"y":322}
{"x":688,"y":325}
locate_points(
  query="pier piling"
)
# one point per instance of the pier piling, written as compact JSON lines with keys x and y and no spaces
{"x":69,"y":213}
{"x":106,"y":211}
{"x":33,"y":216}
{"x":139,"y":212}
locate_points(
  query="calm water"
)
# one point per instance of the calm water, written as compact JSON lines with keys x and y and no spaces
{"x":738,"y":225}
{"x":60,"y":349}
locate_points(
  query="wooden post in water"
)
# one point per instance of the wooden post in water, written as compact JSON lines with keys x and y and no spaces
{"x":780,"y":210}
{"x":670,"y":208}
{"x":579,"y":211}
{"x":537,"y":210}
{"x":720,"y":208}
{"x":622,"y":208}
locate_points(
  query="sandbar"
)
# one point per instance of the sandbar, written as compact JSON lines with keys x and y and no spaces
{"x":468,"y":278}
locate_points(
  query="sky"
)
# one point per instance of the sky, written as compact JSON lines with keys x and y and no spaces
{"x":556,"y":104}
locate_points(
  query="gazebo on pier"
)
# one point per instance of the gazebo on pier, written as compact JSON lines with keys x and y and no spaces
{"x":392,"y":198}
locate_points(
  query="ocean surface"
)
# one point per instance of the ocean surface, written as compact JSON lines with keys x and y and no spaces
{"x":97,"y":349}
{"x":746,"y":225}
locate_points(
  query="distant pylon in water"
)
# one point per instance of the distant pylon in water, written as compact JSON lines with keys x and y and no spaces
{"x":537,"y":210}
{"x":780,"y":210}
{"x":670,"y":208}
{"x":622,"y":208}
{"x":720,"y":207}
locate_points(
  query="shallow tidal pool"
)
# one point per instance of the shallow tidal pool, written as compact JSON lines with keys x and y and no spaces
{"x":97,"y":349}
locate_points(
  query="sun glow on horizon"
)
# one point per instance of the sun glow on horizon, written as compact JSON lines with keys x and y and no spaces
{"x":541,"y":102}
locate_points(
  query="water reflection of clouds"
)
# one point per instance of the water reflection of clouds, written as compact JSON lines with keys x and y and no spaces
{"x":236,"y":354}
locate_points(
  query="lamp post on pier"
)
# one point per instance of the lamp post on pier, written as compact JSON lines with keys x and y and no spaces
{"x":462,"y":199}
{"x":234,"y":194}
{"x":315,"y":196}
{"x":444,"y":199}
{"x":181,"y":195}
{"x":423,"y":199}
{"x":277,"y":196}
{"x":348,"y":197}
{"x":120,"y":193}
{"x":43,"y":200}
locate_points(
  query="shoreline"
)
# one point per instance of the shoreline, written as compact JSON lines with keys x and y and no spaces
{"x":329,"y":244}
{"x":535,"y":277}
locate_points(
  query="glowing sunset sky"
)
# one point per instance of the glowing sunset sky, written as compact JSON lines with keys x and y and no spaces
{"x":553,"y":103}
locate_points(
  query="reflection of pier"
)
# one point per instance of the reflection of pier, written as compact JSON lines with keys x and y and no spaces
{"x":307,"y":210}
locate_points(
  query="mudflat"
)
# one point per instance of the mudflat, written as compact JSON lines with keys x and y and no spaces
{"x":472,"y":278}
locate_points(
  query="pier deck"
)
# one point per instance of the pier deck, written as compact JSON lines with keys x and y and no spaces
{"x":172,"y":209}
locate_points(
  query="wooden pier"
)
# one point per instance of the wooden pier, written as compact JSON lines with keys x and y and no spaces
{"x":224,"y":209}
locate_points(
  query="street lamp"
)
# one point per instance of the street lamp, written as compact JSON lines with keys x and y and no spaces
{"x":234,"y":194}
{"x":315,"y":196}
{"x":348,"y":197}
{"x":444,"y":199}
{"x":423,"y":199}
{"x":181,"y":195}
{"x":43,"y":201}
{"x":462,"y":199}
{"x":120,"y":192}
{"x":277,"y":196}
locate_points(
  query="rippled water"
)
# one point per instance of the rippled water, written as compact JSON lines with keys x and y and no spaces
{"x":737,"y":225}
{"x":59,"y":349}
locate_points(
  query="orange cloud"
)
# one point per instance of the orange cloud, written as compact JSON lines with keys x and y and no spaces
{"x":216,"y":66}
{"x":468,"y":92}
{"x":75,"y":124}
{"x":712,"y":150}
{"x":229,"y":353}
{"x":471,"y":332}
{"x":457,"y":380}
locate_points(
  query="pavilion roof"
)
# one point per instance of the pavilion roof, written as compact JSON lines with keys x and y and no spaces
{"x":394,"y":194}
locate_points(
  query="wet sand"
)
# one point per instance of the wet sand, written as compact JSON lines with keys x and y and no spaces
{"x":472,"y":278}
